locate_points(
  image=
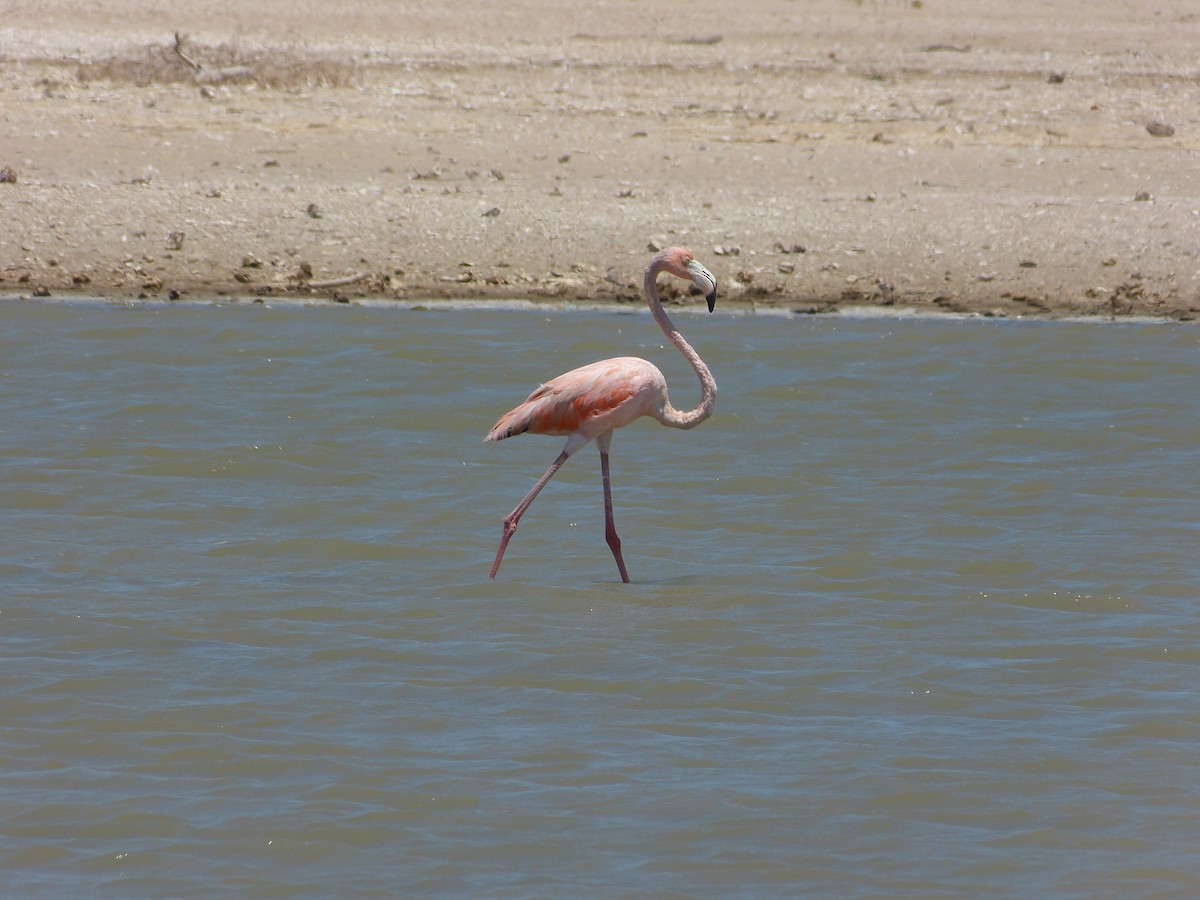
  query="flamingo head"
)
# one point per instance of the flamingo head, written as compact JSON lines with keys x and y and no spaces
{"x":682,"y":263}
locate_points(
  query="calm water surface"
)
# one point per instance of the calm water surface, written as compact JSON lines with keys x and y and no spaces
{"x":915,"y":614}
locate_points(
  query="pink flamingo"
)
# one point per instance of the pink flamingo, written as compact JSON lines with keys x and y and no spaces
{"x":591,"y":401}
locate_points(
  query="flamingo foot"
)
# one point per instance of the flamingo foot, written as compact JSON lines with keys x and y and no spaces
{"x":510,"y":528}
{"x":614,"y":544}
{"x":610,"y":527}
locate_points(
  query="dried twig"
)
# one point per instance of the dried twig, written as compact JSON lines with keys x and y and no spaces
{"x":208,"y":76}
{"x":212,"y":76}
{"x":180,"y":40}
{"x":338,"y":282}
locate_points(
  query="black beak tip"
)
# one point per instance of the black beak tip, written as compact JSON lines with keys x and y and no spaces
{"x":712,"y":300}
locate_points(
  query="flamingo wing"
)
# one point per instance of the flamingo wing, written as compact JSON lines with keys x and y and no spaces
{"x":588,"y":401}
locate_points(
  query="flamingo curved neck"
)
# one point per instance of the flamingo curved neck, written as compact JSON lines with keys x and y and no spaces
{"x":671,"y":416}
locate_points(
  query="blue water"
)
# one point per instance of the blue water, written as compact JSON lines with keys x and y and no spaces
{"x":912,"y":615}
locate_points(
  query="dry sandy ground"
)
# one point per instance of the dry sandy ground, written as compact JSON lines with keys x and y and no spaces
{"x":1006,"y":158}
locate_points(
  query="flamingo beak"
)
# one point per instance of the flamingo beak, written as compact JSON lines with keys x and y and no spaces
{"x":705,"y":280}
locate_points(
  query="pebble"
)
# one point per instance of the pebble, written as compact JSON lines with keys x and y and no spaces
{"x":781,"y":247}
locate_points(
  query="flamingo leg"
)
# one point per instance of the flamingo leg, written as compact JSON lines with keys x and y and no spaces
{"x":511,"y":520}
{"x":610,"y":528}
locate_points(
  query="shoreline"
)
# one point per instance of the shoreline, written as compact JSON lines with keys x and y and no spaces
{"x":854,"y":313}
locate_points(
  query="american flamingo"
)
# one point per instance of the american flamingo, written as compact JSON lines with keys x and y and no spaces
{"x":589,"y":402}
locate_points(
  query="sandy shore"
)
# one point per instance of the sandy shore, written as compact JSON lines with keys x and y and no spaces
{"x":1013,"y":158}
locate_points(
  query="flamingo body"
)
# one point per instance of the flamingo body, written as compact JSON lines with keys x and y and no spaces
{"x":588,"y":403}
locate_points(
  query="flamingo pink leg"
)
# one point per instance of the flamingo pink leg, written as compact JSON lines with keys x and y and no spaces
{"x":610,"y":528}
{"x":514,"y":517}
